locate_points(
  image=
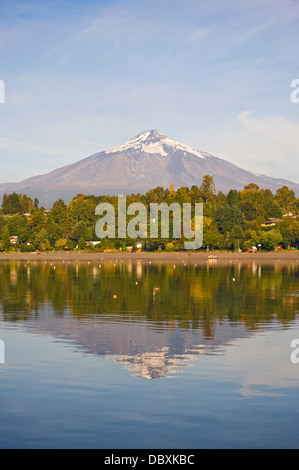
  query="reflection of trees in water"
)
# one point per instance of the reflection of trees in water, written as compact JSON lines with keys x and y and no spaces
{"x":187,"y":297}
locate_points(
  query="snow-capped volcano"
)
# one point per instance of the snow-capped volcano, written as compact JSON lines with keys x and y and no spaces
{"x":148,"y":160}
{"x":155,"y":142}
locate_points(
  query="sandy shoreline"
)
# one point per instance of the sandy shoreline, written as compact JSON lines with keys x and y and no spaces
{"x":183,"y":257}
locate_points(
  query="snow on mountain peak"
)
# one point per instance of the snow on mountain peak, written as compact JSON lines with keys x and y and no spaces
{"x":154,"y":142}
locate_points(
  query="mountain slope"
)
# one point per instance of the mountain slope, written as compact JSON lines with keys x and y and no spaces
{"x":148,"y":160}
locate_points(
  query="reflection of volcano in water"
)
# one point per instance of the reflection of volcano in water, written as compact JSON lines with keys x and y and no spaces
{"x":146,"y":349}
{"x":155,"y":365}
{"x":154,"y":319}
{"x":160,"y":364}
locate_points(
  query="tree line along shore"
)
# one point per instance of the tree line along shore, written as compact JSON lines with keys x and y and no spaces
{"x":252,"y":219}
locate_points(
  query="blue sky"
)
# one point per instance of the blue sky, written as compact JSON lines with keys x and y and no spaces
{"x":81,"y":77}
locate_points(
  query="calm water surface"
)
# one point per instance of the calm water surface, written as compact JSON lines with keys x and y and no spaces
{"x":145,"y":355}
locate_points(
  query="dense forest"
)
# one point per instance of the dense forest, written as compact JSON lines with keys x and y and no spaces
{"x":239,"y":220}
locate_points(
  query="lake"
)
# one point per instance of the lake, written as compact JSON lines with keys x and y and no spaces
{"x":147,"y":355}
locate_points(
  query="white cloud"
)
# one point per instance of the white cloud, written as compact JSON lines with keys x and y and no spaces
{"x":267,"y":145}
{"x":264,"y":362}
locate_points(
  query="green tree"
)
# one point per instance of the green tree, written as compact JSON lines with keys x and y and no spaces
{"x":6,"y":238}
{"x":81,"y":244}
{"x":207,"y":188}
{"x":289,"y":229}
{"x":41,"y":239}
{"x":157,"y":195}
{"x":58,"y":213}
{"x":285,"y":197}
{"x":54,"y":233}
{"x":227,"y":217}
{"x":195,"y":195}
{"x":251,"y":187}
{"x":17,"y":226}
{"x":25,"y":203}
{"x":80,"y":231}
{"x":60,"y":244}
{"x":248,"y":210}
{"x":233,"y":197}
{"x":16,"y":204}
{"x":212,"y":238}
{"x":169,"y":247}
{"x":11,"y":204}
{"x":82,"y":208}
{"x":269,"y":240}
{"x":236,"y":236}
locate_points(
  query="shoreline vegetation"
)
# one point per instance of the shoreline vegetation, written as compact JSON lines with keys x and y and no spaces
{"x":252,"y":221}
